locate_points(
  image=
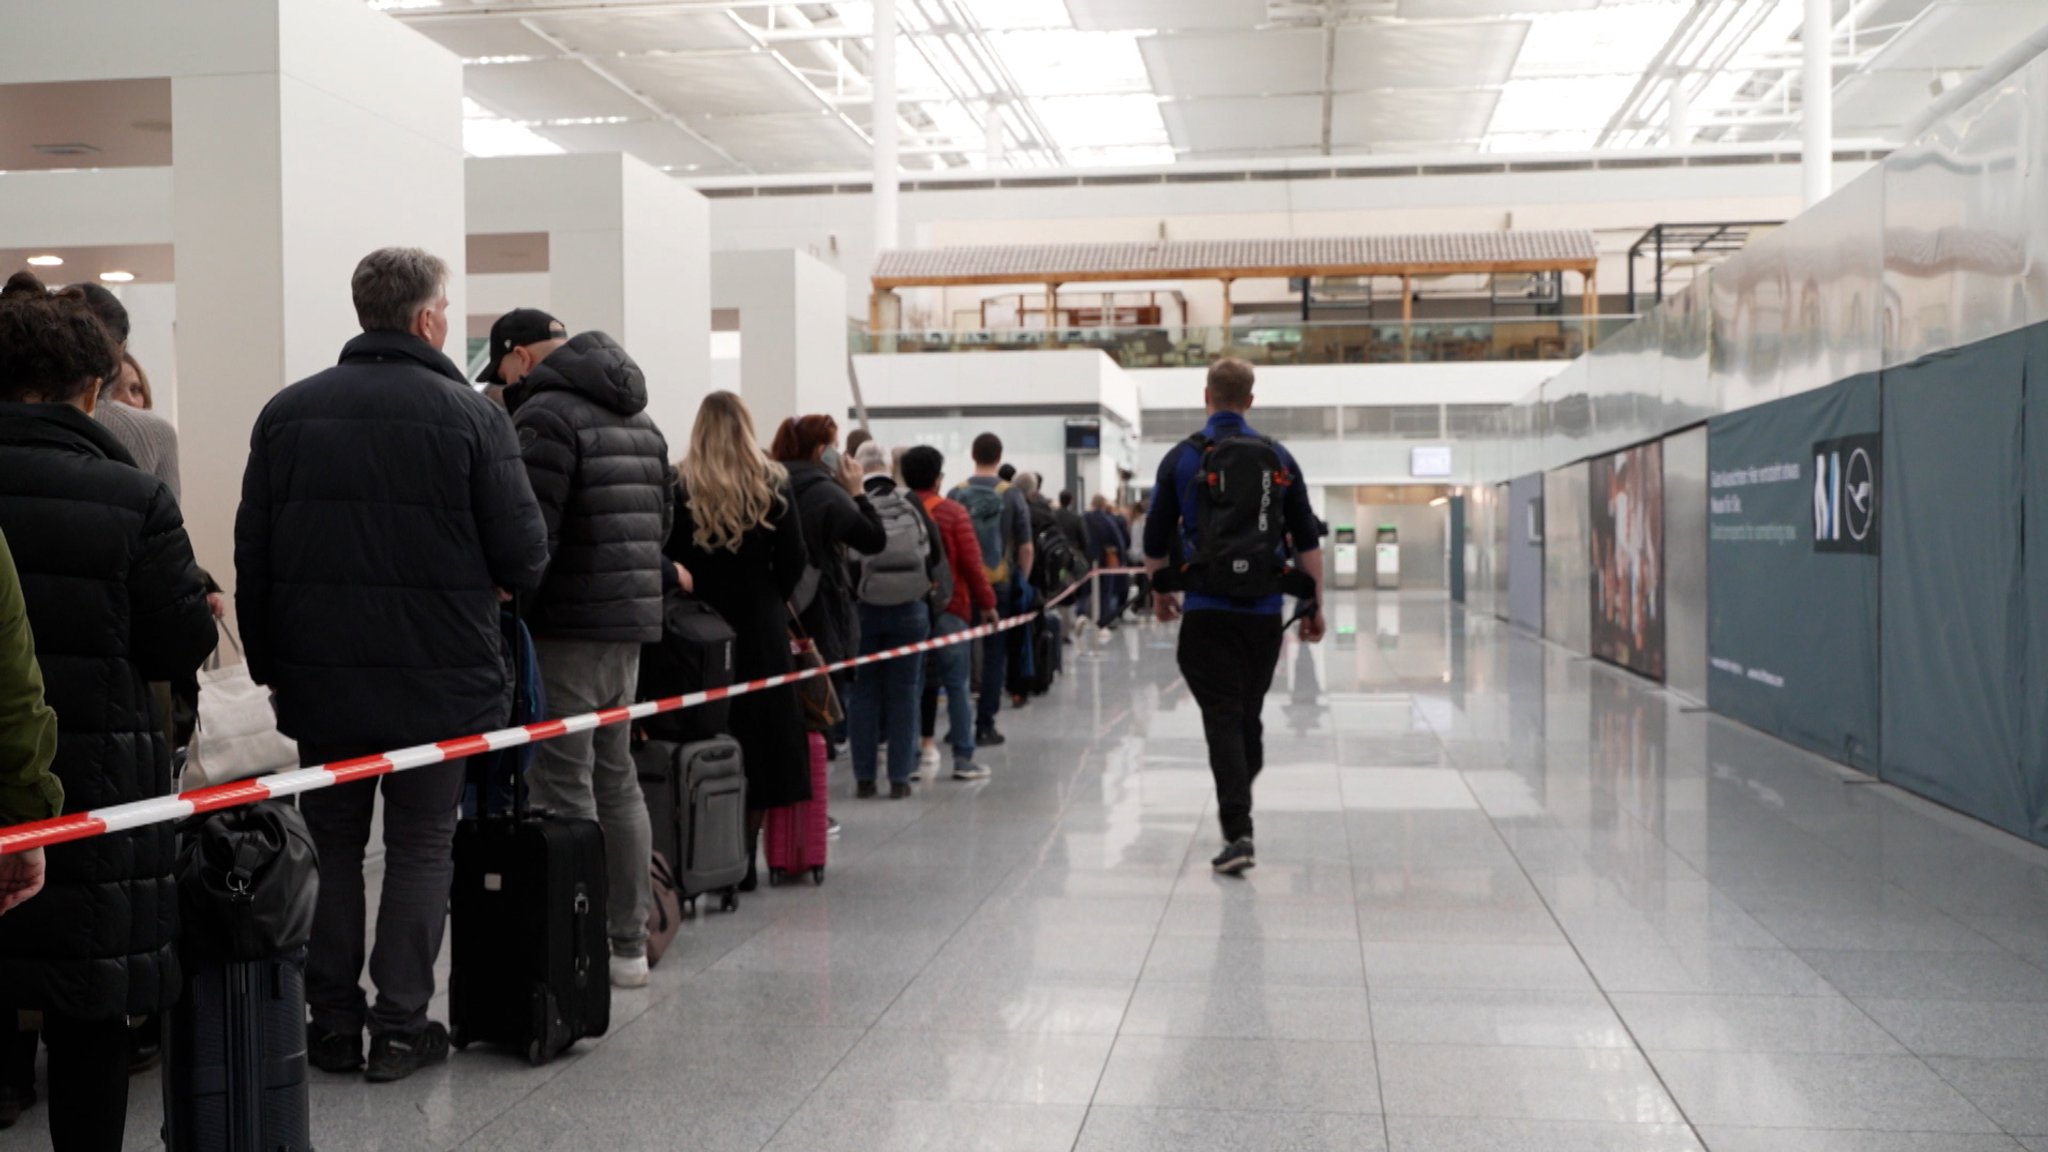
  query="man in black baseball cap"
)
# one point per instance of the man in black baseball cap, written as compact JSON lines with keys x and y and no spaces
{"x":521,"y":339}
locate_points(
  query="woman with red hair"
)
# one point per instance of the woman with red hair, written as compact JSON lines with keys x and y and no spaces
{"x":836,"y":516}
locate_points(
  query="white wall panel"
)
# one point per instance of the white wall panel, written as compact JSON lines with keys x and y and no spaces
{"x":1567,"y":559}
{"x":1685,"y":563}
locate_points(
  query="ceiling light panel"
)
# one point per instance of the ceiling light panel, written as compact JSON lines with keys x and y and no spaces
{"x":547,"y":90}
{"x":693,"y":86}
{"x":999,"y":15}
{"x":1235,"y":64}
{"x":471,"y":39}
{"x":1575,"y":105}
{"x":1245,"y":125}
{"x":1603,"y":41}
{"x":1376,"y":119}
{"x":1063,"y":63}
{"x":645,"y":31}
{"x":1162,"y":15}
{"x":1376,"y":56}
{"x":790,"y":145}
{"x":1468,"y":9}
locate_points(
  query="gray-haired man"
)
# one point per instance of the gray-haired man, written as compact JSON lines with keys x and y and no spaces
{"x":385,"y":514}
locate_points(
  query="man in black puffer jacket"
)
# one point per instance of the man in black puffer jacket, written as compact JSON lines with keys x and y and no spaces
{"x":385,"y":514}
{"x":600,"y":470}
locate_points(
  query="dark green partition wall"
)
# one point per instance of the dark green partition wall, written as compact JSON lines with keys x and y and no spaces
{"x":2036,"y":555}
{"x":1792,"y":569}
{"x":1954,"y":612}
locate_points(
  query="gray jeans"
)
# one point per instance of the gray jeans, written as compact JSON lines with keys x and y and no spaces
{"x":589,"y":774}
{"x":419,"y":867}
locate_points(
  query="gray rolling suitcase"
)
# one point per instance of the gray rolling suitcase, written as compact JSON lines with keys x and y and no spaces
{"x":697,"y":803}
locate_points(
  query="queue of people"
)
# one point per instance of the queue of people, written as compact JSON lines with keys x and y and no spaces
{"x":391,"y":513}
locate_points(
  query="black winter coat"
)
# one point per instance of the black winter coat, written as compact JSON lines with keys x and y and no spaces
{"x":600,"y":470}
{"x":833,"y":523}
{"x":384,"y":506}
{"x":115,"y":601}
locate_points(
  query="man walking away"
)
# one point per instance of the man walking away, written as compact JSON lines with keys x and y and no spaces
{"x":1236,"y":500}
{"x":600,"y":470}
{"x":1112,"y":550}
{"x":893,"y":589}
{"x":951,"y":667}
{"x":385,"y":516}
{"x":1002,"y":527}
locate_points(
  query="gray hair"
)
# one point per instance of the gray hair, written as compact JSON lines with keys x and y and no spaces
{"x":1028,"y":481}
{"x":872,"y":458}
{"x":391,"y":285}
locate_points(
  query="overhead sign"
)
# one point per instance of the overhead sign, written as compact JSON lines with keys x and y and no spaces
{"x":1431,"y":461}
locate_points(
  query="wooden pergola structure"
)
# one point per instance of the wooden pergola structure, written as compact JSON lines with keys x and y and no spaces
{"x":1405,"y":256}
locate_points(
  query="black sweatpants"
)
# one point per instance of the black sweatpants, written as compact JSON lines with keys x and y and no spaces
{"x":1227,"y":659}
{"x":88,"y":1077}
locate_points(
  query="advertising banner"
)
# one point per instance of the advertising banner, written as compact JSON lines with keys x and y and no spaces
{"x":1793,"y":493}
{"x":1626,"y":530}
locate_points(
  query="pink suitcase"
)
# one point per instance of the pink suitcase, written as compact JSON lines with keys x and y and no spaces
{"x":795,"y":835}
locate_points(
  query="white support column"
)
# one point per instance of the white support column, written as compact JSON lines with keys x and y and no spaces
{"x":626,"y":256}
{"x":1817,"y":103}
{"x":1678,"y":123}
{"x":792,"y":334}
{"x":884,"y":127}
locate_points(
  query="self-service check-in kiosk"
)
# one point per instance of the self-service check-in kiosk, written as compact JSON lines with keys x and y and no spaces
{"x":1386,"y":567}
{"x":1345,"y":556}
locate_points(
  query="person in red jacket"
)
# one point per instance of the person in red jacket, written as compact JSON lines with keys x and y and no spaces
{"x":973,"y":598}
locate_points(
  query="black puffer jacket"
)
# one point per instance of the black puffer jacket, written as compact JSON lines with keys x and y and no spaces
{"x":383,"y":507}
{"x":834,"y":522}
{"x":600,"y":471}
{"x":115,"y":601}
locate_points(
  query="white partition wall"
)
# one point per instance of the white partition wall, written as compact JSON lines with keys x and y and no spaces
{"x":626,"y":256}
{"x":792,"y":315}
{"x":307,"y":132}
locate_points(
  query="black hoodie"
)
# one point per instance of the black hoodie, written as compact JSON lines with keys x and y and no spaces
{"x":600,"y":470}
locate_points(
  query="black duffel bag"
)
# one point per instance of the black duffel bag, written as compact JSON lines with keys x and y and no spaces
{"x":695,"y":653}
{"x":248,"y":882}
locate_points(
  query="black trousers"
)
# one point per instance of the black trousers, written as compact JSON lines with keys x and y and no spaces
{"x":1227,"y":658}
{"x":88,"y":1077}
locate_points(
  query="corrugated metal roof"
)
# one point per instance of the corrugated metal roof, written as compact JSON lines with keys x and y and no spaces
{"x":1033,"y":263}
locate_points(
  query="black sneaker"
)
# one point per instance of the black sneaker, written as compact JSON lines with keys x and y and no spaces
{"x":1236,"y":857}
{"x":337,"y":1052}
{"x":864,"y":790}
{"x":396,"y":1055}
{"x":899,"y":790}
{"x":988,"y":738}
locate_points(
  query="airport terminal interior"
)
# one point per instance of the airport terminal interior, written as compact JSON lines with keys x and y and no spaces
{"x":1661,"y":764}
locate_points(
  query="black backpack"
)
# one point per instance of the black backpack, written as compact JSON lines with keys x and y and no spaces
{"x":1240,"y":522}
{"x":1055,"y":565}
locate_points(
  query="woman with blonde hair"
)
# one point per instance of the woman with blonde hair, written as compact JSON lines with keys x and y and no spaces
{"x":737,"y":534}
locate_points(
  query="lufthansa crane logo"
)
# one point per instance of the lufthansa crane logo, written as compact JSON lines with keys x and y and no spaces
{"x":1845,"y":494}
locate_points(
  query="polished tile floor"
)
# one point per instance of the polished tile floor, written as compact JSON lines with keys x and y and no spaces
{"x":1508,"y":901}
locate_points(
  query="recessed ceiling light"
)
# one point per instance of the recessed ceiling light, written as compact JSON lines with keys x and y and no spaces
{"x":45,"y":261}
{"x":117,"y":277}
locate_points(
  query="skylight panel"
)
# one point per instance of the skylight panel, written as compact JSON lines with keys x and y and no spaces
{"x":1062,"y":63}
{"x":1549,"y":106}
{"x":485,"y":133}
{"x":1600,"y":41}
{"x":1000,"y":15}
{"x":1094,"y":122}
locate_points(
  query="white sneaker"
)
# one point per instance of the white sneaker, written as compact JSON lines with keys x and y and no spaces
{"x":629,"y":971}
{"x":927,"y":763}
{"x":970,"y":771}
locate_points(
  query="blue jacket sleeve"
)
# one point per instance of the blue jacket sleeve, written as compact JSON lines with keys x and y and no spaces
{"x":1303,"y":527}
{"x":1163,"y":520}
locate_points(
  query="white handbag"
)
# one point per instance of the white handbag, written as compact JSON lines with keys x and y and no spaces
{"x":237,"y":735}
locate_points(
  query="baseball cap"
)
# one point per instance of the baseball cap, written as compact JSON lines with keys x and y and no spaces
{"x":517,"y":329}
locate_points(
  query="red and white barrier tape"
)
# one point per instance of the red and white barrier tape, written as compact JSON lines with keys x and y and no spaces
{"x":141,"y":813}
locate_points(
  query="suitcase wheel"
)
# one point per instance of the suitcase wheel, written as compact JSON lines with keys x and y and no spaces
{"x":775,"y":877}
{"x":457,"y":1038}
{"x":690,"y":908}
{"x":729,"y":900}
{"x":536,"y":1053}
{"x":818,"y":874}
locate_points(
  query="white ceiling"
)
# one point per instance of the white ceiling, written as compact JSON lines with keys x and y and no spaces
{"x":731,"y":87}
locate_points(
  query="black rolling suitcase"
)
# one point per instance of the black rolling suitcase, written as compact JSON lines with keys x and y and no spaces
{"x":235,"y":1046}
{"x":530,"y":957}
{"x":697,"y":803}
